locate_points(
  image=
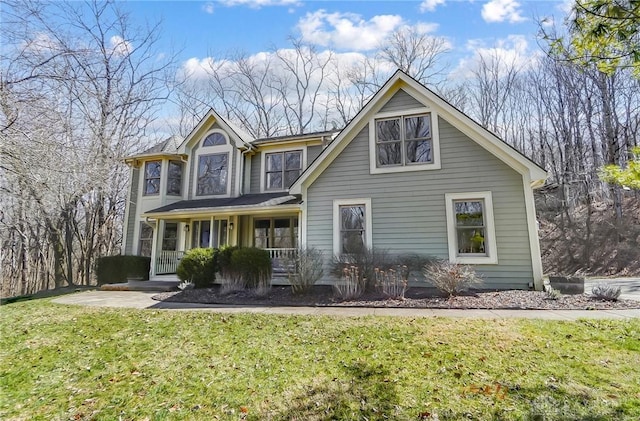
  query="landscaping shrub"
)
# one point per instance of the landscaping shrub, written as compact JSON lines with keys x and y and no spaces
{"x":451,"y":278}
{"x":366,"y":260}
{"x":351,"y":284}
{"x":392,"y":282}
{"x":305,"y":269}
{"x":606,"y":292}
{"x":230,"y":277}
{"x":199,"y":266}
{"x":254,"y":267}
{"x":116,"y":269}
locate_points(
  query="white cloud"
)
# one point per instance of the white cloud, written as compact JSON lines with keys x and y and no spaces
{"x":197,"y":68}
{"x":511,"y":51}
{"x":257,"y":4}
{"x":347,"y":30}
{"x":502,"y":10}
{"x":548,"y":21}
{"x":208,"y":8}
{"x":120,"y":46}
{"x":430,"y":5}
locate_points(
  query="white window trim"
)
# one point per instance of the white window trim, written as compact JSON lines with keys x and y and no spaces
{"x":435,"y":143}
{"x":336,"y":221}
{"x":212,"y":150}
{"x":263,"y":165}
{"x":160,"y":179}
{"x":491,"y":246}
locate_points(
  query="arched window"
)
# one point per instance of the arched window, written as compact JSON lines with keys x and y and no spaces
{"x":214,"y":139}
{"x":213,"y":162}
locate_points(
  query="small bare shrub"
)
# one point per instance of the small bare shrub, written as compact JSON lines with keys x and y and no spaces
{"x":366,"y":260}
{"x":305,"y":269}
{"x":185,"y":285}
{"x":231,"y":282}
{"x":451,"y":278}
{"x":350,"y":285}
{"x":262,"y":286}
{"x":552,"y":293}
{"x":392,"y":282}
{"x":606,"y":292}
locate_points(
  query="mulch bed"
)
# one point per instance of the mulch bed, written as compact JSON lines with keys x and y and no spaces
{"x":323,"y":296}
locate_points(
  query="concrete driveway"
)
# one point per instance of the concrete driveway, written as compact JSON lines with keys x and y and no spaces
{"x":630,"y":287}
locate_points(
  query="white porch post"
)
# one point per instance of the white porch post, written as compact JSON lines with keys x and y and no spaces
{"x":154,"y":246}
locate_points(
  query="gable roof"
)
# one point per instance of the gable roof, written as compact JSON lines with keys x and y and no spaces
{"x":244,"y":137}
{"x":401,"y":80}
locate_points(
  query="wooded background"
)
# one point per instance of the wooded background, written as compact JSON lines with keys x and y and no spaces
{"x":75,"y":99}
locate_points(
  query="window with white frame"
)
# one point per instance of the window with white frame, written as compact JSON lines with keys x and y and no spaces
{"x":214,"y":161}
{"x":170,"y":237}
{"x":152,"y":172}
{"x":282,"y":169}
{"x":470,"y":228}
{"x":407,"y":142}
{"x":351,"y":226}
{"x":214,"y":139}
{"x":212,"y":174}
{"x":174,"y":178}
{"x":145,"y":242}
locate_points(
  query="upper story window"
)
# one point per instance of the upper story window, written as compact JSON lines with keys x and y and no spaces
{"x":282,"y":169}
{"x":400,"y":143}
{"x":213,"y":160}
{"x":174,"y":179}
{"x":214,"y":139}
{"x":152,"y":172}
{"x":212,"y":174}
{"x":404,"y":140}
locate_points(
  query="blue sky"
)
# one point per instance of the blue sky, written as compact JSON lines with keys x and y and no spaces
{"x":202,"y":29}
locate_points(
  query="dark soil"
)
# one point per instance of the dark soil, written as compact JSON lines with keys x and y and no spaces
{"x":323,"y":296}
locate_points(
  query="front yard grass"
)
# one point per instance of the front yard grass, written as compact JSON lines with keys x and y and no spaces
{"x":74,"y":363}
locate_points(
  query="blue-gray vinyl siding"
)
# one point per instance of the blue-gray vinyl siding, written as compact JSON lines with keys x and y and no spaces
{"x":401,"y":101}
{"x":256,"y":167}
{"x":408,"y":209}
{"x":132,"y":214}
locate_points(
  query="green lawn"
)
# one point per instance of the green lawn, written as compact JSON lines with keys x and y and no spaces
{"x":74,"y":363}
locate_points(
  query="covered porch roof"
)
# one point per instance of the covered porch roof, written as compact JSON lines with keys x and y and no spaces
{"x":248,"y":203}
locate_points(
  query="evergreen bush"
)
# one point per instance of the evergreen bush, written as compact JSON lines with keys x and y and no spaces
{"x":253,"y":265}
{"x":199,"y":266}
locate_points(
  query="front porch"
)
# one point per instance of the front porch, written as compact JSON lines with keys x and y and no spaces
{"x":167,"y":262}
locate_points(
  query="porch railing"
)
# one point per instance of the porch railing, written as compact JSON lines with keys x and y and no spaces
{"x":280,"y":258}
{"x":167,"y":261}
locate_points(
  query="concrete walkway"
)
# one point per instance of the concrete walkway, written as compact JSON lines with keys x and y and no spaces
{"x":630,"y":287}
{"x":142,"y":299}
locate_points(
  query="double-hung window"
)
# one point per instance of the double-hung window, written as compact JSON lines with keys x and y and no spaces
{"x":404,"y":140}
{"x":470,"y":228}
{"x":282,"y":169}
{"x":400,"y":143}
{"x":152,"y":172}
{"x":351,"y":226}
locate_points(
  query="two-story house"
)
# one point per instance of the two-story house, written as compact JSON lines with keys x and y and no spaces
{"x":409,"y":174}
